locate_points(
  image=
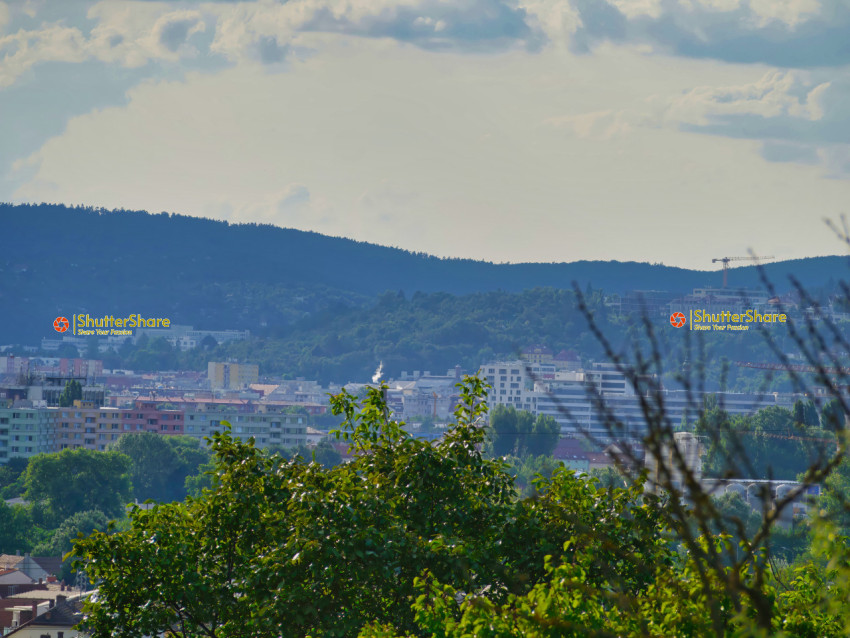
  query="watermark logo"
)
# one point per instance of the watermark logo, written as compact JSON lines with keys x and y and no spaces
{"x":725,"y":320}
{"x":60,"y":324}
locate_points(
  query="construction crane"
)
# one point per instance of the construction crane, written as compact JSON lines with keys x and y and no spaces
{"x":726,"y":261}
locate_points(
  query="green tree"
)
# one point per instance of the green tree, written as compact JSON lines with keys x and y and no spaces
{"x":287,"y":543}
{"x":74,"y":481}
{"x":73,"y":391}
{"x":81,"y":523}
{"x":12,"y":475}
{"x":161,"y":464}
{"x":833,"y":416}
{"x":512,"y":430}
{"x":805,"y":413}
{"x":16,"y":528}
{"x":326,"y":454}
{"x":545,"y":434}
{"x":152,"y":465}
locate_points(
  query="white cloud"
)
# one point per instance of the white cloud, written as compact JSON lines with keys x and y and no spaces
{"x":777,"y":93}
{"x":22,"y":50}
{"x":788,"y":12}
{"x":781,"y":33}
{"x":598,"y":125}
{"x":446,"y":154}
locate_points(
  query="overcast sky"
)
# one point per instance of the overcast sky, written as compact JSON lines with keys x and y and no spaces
{"x":670,"y":131}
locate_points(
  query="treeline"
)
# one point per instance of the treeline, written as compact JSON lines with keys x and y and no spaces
{"x":77,"y":491}
{"x":214,"y":275}
{"x":773,"y":443}
{"x":437,"y":331}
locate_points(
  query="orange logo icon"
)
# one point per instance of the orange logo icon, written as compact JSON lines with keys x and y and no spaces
{"x":677,"y":320}
{"x":60,"y":324}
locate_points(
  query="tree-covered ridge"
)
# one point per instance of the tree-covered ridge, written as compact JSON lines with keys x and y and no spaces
{"x":60,"y":260}
{"x":437,"y":331}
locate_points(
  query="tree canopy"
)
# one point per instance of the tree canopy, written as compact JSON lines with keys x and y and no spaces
{"x":74,"y":481}
{"x":329,"y":551}
{"x":160,"y":464}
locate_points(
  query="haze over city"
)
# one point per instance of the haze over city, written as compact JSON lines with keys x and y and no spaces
{"x":671,"y":132}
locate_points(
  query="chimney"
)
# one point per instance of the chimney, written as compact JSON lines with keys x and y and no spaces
{"x":50,"y":604}
{"x":61,"y":599}
{"x":40,"y":581}
{"x":34,"y":609}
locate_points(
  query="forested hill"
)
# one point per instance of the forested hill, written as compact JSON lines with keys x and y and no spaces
{"x":60,"y":260}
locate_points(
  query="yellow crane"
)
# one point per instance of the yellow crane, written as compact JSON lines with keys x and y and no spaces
{"x":726,"y":261}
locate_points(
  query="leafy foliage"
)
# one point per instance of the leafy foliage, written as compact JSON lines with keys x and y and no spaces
{"x":519,"y":433}
{"x":770,"y":444}
{"x":72,"y":392}
{"x":74,"y":481}
{"x":279,"y":542}
{"x":160,"y":464}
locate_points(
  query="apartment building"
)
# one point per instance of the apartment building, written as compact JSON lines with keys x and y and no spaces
{"x":86,"y":425}
{"x":600,"y":401}
{"x":25,"y":430}
{"x":232,"y":376}
{"x":270,"y":426}
{"x":149,"y":415}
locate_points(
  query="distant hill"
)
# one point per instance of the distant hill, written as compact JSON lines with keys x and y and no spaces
{"x":61,"y":260}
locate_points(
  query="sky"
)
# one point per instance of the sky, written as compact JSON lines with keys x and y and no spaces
{"x":662,"y":131}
